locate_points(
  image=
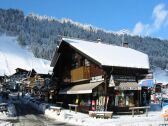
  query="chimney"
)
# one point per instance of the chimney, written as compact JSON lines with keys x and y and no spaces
{"x":125,"y":44}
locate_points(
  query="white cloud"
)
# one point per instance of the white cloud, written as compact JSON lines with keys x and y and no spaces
{"x":160,"y":16}
{"x":139,"y":27}
{"x":160,"y":19}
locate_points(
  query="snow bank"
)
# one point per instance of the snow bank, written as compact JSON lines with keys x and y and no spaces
{"x":4,"y":123}
{"x":13,"y":56}
{"x":154,"y":118}
{"x":54,"y":115}
{"x":3,"y":115}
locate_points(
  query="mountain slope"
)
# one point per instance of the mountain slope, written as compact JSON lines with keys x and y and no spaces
{"x":12,"y":56}
{"x":161,"y":76}
{"x":40,"y":33}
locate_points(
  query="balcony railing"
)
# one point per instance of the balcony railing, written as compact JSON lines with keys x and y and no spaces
{"x":79,"y":74}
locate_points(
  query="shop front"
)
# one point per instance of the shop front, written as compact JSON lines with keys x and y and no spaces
{"x":147,"y":91}
{"x":98,"y":99}
{"x":127,"y":94}
{"x":84,"y":95}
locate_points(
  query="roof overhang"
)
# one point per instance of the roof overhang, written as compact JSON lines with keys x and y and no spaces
{"x":128,"y":86}
{"x":80,"y":89}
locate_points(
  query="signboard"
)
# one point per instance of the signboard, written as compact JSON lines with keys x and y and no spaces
{"x":97,"y":78}
{"x":127,"y":88}
{"x":111,"y":81}
{"x":147,"y":83}
{"x":123,"y":78}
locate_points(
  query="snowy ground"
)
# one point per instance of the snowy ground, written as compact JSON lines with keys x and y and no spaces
{"x":154,"y":118}
{"x":8,"y":115}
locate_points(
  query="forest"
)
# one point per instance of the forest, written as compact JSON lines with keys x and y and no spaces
{"x":41,"y":34}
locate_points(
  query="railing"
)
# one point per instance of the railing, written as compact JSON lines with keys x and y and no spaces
{"x":137,"y":108}
{"x":81,"y":73}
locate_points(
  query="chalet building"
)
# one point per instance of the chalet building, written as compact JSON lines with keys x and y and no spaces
{"x":40,"y":86}
{"x":37,"y":85}
{"x":98,"y":76}
{"x":15,"y":79}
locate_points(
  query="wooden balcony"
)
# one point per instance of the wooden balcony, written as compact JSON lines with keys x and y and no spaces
{"x":79,"y":74}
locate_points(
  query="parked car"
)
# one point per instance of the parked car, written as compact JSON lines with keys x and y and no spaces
{"x":164,"y":102}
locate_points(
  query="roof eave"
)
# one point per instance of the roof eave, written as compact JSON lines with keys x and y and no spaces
{"x":147,"y":68}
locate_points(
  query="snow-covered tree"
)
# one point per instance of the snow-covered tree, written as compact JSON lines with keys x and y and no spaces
{"x":40,"y":33}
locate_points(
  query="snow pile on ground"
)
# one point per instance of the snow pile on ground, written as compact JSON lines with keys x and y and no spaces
{"x":55,"y":115}
{"x":4,"y":123}
{"x":3,"y":115}
{"x":155,"y":118}
{"x":4,"y":120}
{"x":13,"y":56}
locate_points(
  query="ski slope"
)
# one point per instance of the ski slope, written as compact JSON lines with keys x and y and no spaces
{"x":13,"y":56}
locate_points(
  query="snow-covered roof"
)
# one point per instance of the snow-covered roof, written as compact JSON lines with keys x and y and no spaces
{"x":13,"y":56}
{"x":110,"y":55}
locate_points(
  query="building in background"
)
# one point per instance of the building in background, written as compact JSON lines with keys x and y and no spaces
{"x":15,"y":79}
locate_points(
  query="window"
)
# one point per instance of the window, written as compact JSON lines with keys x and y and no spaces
{"x":124,"y":98}
{"x":87,"y":63}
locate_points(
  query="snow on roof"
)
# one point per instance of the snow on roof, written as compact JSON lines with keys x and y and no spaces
{"x":111,"y":55}
{"x":12,"y":56}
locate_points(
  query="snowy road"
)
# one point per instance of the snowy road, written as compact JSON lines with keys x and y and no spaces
{"x":27,"y":116}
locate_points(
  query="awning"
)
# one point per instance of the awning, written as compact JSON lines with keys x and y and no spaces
{"x":147,"y":83}
{"x":128,"y":86}
{"x":80,"y":89}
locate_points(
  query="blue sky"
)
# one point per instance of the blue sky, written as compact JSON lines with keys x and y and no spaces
{"x":140,"y":17}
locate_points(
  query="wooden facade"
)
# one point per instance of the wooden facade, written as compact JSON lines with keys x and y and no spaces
{"x":81,"y":73}
{"x":74,"y":67}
